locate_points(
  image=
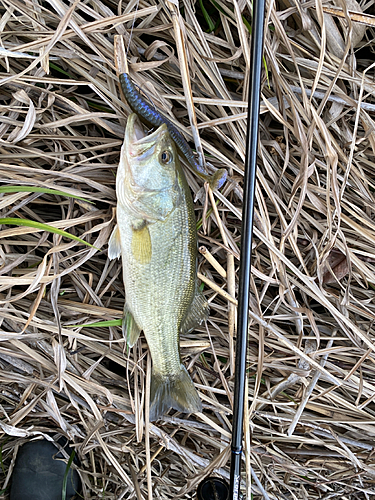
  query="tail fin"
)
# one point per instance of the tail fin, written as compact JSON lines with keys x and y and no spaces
{"x":173,"y":391}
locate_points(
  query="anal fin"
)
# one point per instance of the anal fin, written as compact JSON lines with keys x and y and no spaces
{"x":130,"y":329}
{"x":197,"y":312}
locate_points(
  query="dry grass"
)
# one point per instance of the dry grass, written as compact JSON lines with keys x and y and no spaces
{"x":311,"y":411}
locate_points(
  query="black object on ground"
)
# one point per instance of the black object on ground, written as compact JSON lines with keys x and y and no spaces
{"x":213,"y":488}
{"x":39,"y":473}
{"x":256,"y":50}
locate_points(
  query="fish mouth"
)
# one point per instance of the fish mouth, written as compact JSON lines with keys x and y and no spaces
{"x":134,"y":129}
{"x":138,"y":141}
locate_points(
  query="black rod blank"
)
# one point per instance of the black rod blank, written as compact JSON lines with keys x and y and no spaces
{"x":256,"y":51}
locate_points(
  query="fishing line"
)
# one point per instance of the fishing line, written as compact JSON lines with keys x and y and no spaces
{"x":130,"y":35}
{"x":131,"y":29}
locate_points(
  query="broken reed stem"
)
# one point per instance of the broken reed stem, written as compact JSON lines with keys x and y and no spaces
{"x":231,"y":283}
{"x":214,"y":263}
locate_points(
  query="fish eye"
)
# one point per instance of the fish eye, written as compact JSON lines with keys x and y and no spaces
{"x":166,"y":157}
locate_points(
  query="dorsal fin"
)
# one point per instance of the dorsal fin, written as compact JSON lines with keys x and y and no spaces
{"x":197,"y":312}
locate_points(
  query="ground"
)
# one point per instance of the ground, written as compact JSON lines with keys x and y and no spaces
{"x":310,"y":414}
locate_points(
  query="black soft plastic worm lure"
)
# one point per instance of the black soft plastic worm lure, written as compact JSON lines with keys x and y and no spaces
{"x":151,"y":117}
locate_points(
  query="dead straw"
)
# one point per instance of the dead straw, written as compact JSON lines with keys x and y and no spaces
{"x":311,"y":357}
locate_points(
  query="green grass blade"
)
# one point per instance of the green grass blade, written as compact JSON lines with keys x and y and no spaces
{"x":60,"y":70}
{"x":106,"y":109}
{"x":1,"y":457}
{"x":65,"y":480}
{"x":247,"y":24}
{"x":111,"y":322}
{"x":267,"y":74}
{"x":43,"y":227}
{"x":220,"y":9}
{"x":206,"y":15}
{"x":34,"y":189}
{"x":209,"y":212}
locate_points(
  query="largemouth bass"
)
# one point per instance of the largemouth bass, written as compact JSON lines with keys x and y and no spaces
{"x":154,"y":118}
{"x":156,"y":237}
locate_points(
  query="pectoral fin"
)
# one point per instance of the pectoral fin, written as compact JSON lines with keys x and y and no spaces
{"x":196,"y":314}
{"x":114,"y":245}
{"x":130,"y":329}
{"x":141,"y":244}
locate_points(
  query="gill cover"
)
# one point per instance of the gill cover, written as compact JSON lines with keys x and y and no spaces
{"x":148,"y":180}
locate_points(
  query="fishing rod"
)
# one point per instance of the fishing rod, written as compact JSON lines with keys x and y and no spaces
{"x":214,"y":488}
{"x":256,"y":52}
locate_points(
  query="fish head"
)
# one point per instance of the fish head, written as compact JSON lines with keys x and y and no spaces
{"x":148,"y":176}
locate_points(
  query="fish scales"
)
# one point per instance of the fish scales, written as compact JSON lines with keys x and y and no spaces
{"x":160,"y":311}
